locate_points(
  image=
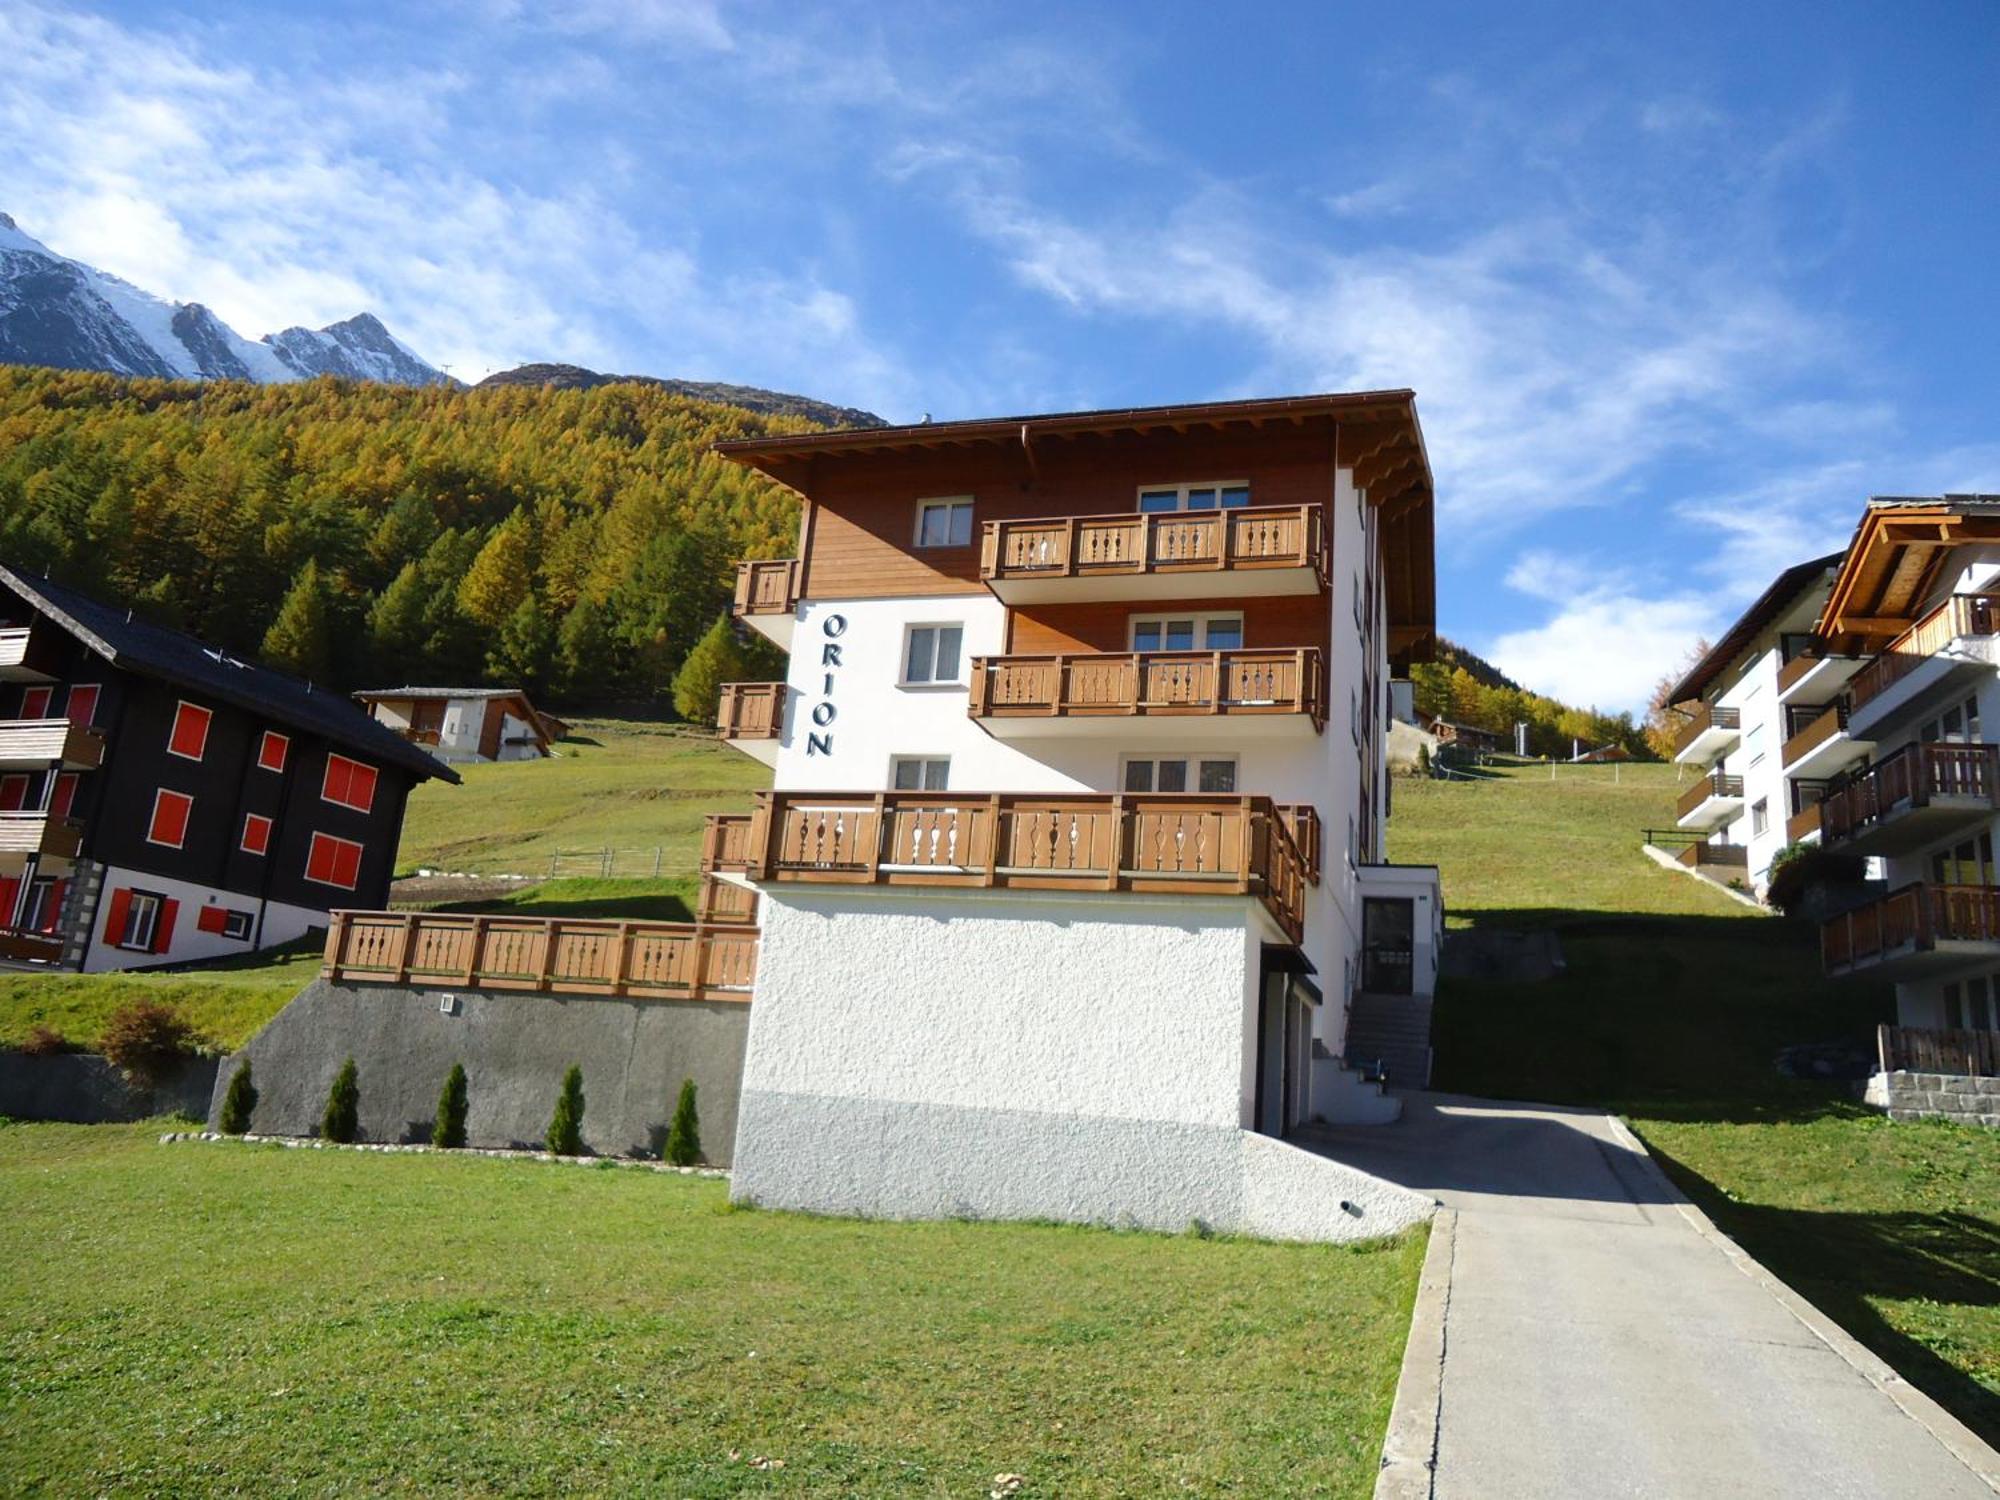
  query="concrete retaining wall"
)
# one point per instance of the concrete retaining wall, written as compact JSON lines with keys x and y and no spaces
{"x":1936,"y":1096}
{"x":515,"y":1048}
{"x":84,"y":1089}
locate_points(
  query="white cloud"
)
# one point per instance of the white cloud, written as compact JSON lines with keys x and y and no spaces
{"x":1606,"y":648}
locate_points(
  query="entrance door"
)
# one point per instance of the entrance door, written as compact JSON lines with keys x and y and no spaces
{"x":1388,"y":947}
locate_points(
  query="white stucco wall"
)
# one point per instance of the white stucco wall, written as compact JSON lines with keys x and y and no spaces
{"x":281,"y":923}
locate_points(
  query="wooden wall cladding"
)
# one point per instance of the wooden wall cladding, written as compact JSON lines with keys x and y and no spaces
{"x":1268,"y":623}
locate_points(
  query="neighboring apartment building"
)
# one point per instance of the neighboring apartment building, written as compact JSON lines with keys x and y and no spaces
{"x":1073,"y":873}
{"x":465,"y":724}
{"x":1764,"y":730}
{"x":161,"y":800}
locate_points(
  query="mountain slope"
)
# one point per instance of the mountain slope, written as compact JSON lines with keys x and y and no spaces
{"x":60,"y":312}
{"x":747,"y":397}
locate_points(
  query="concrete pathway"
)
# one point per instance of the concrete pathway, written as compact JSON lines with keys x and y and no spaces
{"x":1599,"y":1338}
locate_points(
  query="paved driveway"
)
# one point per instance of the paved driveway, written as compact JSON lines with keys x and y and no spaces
{"x":1597,"y":1343}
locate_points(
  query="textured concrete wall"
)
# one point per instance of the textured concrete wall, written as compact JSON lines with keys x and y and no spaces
{"x":1023,"y":1055}
{"x":1937,"y":1096}
{"x":84,"y":1089}
{"x":515,"y":1047}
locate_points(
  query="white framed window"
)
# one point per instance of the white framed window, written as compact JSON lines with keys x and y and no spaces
{"x":932,"y":654}
{"x":920,"y":773}
{"x":1760,"y":818}
{"x":142,"y":922}
{"x":1200,"y":494}
{"x":945,"y":523}
{"x":1189,"y":632}
{"x":1214,"y":775}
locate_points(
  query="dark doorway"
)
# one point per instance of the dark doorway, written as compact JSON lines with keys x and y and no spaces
{"x":1388,"y":945}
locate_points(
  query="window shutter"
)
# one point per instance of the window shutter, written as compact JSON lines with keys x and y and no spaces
{"x":10,"y":892}
{"x":114,"y":924}
{"x":163,"y":931}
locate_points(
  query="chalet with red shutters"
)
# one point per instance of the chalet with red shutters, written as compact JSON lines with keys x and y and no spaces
{"x":162,"y":800}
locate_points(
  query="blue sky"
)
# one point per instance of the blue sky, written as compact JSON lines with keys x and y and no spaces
{"x":1678,"y":286}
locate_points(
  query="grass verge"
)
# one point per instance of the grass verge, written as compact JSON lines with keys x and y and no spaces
{"x":226,"y":1002}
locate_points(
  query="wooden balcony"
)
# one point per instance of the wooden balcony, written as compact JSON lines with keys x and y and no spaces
{"x":1821,"y":743}
{"x":25,"y":833}
{"x":1266,"y":550}
{"x":1209,"y":695}
{"x":1707,"y":735}
{"x":560,"y":956}
{"x":1926,"y":1049}
{"x":1174,"y":844}
{"x":1919,"y":929}
{"x":767,"y":597}
{"x":1713,"y":800}
{"x":1302,"y":818}
{"x":1920,"y":793}
{"x":723,"y":900}
{"x":1814,"y":676}
{"x":1706,"y":854}
{"x":38,"y":744}
{"x":31,"y":652}
{"x":1919,"y":649}
{"x":30,"y":947}
{"x":725,"y":843}
{"x":751,"y":717}
{"x":1803,"y":824}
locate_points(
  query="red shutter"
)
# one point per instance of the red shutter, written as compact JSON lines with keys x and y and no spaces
{"x":163,"y":934}
{"x":65,"y":795}
{"x":10,"y":892}
{"x":114,"y":924}
{"x":82,"y":705}
{"x":13,"y":793}
{"x":212,"y":919}
{"x":347,"y":865}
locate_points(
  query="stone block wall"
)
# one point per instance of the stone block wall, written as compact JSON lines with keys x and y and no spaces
{"x":1937,"y":1096}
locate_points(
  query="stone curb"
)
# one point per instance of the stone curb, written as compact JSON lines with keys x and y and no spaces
{"x":303,"y":1143}
{"x":1958,"y":1439}
{"x":1409,"y":1448}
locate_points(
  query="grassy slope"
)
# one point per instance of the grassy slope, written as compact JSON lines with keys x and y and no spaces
{"x":1673,"y":1004}
{"x":619,"y":783}
{"x":226,"y":1003}
{"x":201,"y":1318}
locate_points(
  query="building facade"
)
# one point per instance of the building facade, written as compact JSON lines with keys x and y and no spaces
{"x":1073,"y":869}
{"x":163,"y":801}
{"x":459,"y":725}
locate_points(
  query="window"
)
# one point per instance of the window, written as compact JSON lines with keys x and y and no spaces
{"x":13,"y":793}
{"x":44,"y":905}
{"x":1969,"y":863}
{"x":1357,"y":601}
{"x":63,"y":797}
{"x":1760,"y":818}
{"x":944,"y":523}
{"x":931,"y":652}
{"x":224,"y":922}
{"x":1752,"y":745}
{"x":190,"y":737}
{"x":170,"y":818}
{"x":35,"y":702}
{"x":333,"y":861}
{"x":271,"y":750}
{"x":1211,"y":774}
{"x":1954,"y":1008}
{"x":256,"y":838}
{"x":1213,"y":494}
{"x":1187,"y":632}
{"x":142,"y":921}
{"x":348,"y":783}
{"x":1958,"y":724}
{"x":916,"y":773}
{"x":82,"y":705}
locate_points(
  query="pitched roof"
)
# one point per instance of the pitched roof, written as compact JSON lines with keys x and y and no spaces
{"x":126,"y":640}
{"x":367,"y":694}
{"x":1786,"y":587}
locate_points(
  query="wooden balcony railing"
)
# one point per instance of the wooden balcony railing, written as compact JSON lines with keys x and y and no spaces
{"x":418,"y":736}
{"x":51,"y":742}
{"x":1917,"y":917}
{"x":1716,"y":855}
{"x":30,"y":947}
{"x":560,"y":956}
{"x":1292,"y":536}
{"x":767,"y":587}
{"x":1959,"y":616}
{"x":1714,"y":784}
{"x":1150,"y":682}
{"x":1164,"y":843}
{"x":1816,"y":731}
{"x":725,"y":843}
{"x":40,"y":833}
{"x":1790,"y":673}
{"x":1801,"y":823}
{"x":1912,"y":777}
{"x":1302,"y":818}
{"x":751,"y":711}
{"x":725,"y":901}
{"x":1707,"y":717}
{"x":1924,"y":1049}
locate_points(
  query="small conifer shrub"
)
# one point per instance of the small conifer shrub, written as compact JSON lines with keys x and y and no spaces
{"x":683,"y":1147}
{"x":566,"y":1127}
{"x":238,"y":1101}
{"x":449,"y":1127}
{"x":342,"y":1120}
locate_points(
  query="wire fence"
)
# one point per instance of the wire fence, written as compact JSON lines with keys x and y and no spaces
{"x":607,"y":862}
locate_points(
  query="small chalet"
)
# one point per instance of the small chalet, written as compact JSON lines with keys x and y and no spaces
{"x":466,"y":724}
{"x":162,"y":800}
{"x":1466,"y":736}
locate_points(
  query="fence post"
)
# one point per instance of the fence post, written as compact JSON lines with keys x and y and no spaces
{"x":656,"y":861}
{"x":336,"y":943}
{"x":404,"y":941}
{"x":472,"y":953}
{"x":604,"y":863}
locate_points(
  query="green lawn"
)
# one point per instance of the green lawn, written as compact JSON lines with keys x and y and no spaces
{"x":226,"y":1002}
{"x":1671,"y":1010}
{"x":200,"y":1318}
{"x":622,"y":784}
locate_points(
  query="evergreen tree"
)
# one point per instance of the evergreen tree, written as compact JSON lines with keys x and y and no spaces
{"x":448,"y":1129}
{"x":500,"y":576}
{"x":587,"y":658}
{"x":566,"y":1125}
{"x":396,"y":628}
{"x":301,"y":638}
{"x":239,"y":1101}
{"x":683,"y":1147}
{"x":715,"y":660}
{"x":524,"y":650}
{"x":342,"y":1120}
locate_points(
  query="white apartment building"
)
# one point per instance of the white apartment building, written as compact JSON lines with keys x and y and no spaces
{"x":1073,"y":865}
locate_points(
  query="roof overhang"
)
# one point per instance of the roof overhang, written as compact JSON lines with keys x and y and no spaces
{"x":1893,"y":564}
{"x":1785,"y":590}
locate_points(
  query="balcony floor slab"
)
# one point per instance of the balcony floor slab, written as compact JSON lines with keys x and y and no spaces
{"x":1205,"y":583}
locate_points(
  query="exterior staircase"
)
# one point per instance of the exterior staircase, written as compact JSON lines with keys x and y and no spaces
{"x":1343,"y":1096}
{"x":1396,"y":1031}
